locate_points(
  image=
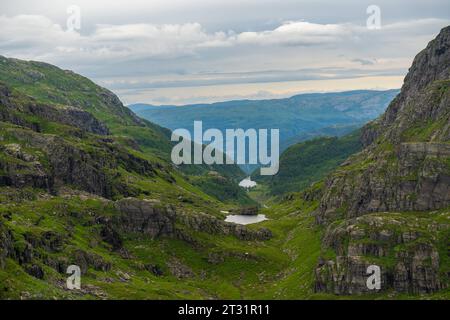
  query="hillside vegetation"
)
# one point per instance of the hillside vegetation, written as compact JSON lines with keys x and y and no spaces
{"x":77,"y":103}
{"x":305,"y":163}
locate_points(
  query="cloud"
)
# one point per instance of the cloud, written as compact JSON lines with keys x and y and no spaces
{"x":297,"y":33}
{"x":34,"y":36}
{"x":32,"y":33}
{"x":152,"y":57}
{"x":365,"y":62}
{"x":37,"y":36}
{"x":264,"y":76}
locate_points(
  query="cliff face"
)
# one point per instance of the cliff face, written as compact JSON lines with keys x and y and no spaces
{"x":404,"y":170}
{"x":429,"y":71}
{"x":410,"y":251}
{"x":405,"y":163}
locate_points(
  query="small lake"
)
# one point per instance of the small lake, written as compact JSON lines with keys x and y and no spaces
{"x":247,"y":183}
{"x":243,"y":219}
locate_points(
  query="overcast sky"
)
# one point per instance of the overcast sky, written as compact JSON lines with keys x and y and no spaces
{"x":179,"y":51}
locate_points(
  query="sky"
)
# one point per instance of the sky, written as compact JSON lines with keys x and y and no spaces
{"x":198,"y":51}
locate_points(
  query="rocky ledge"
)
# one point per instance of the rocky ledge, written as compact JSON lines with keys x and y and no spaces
{"x":154,"y":220}
{"x":407,"y":249}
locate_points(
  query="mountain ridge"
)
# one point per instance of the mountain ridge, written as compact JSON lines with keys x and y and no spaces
{"x":298,"y":118}
{"x":142,"y":105}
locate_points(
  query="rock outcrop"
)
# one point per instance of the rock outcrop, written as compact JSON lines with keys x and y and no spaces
{"x":405,"y":177}
{"x":407,"y":249}
{"x":206,"y":223}
{"x":66,"y":163}
{"x":246,"y":211}
{"x":85,"y":260}
{"x":15,"y":110}
{"x":154,"y":220}
{"x":141,"y":216}
{"x":6,"y":244}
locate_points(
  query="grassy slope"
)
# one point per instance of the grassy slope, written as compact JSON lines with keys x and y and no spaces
{"x":248,"y":269}
{"x":310,"y":161}
{"x":49,"y":84}
{"x":281,"y":268}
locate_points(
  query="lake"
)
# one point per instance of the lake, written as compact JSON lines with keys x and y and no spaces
{"x":242,"y":219}
{"x":247,"y":183}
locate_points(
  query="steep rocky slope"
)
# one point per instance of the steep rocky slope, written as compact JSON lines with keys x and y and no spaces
{"x":389,"y":204}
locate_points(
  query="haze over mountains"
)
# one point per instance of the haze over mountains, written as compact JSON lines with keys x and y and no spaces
{"x":299,"y":118}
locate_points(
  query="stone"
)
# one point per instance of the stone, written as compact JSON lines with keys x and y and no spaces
{"x":35,"y":271}
{"x":154,"y":269}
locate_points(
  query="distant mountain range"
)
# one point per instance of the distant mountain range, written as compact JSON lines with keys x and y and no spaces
{"x":299,"y":118}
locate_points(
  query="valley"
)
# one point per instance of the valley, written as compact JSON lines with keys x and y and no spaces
{"x":84,"y":181}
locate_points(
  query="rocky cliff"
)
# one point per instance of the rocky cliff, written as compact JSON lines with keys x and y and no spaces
{"x":404,"y":171}
{"x":410,"y":251}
